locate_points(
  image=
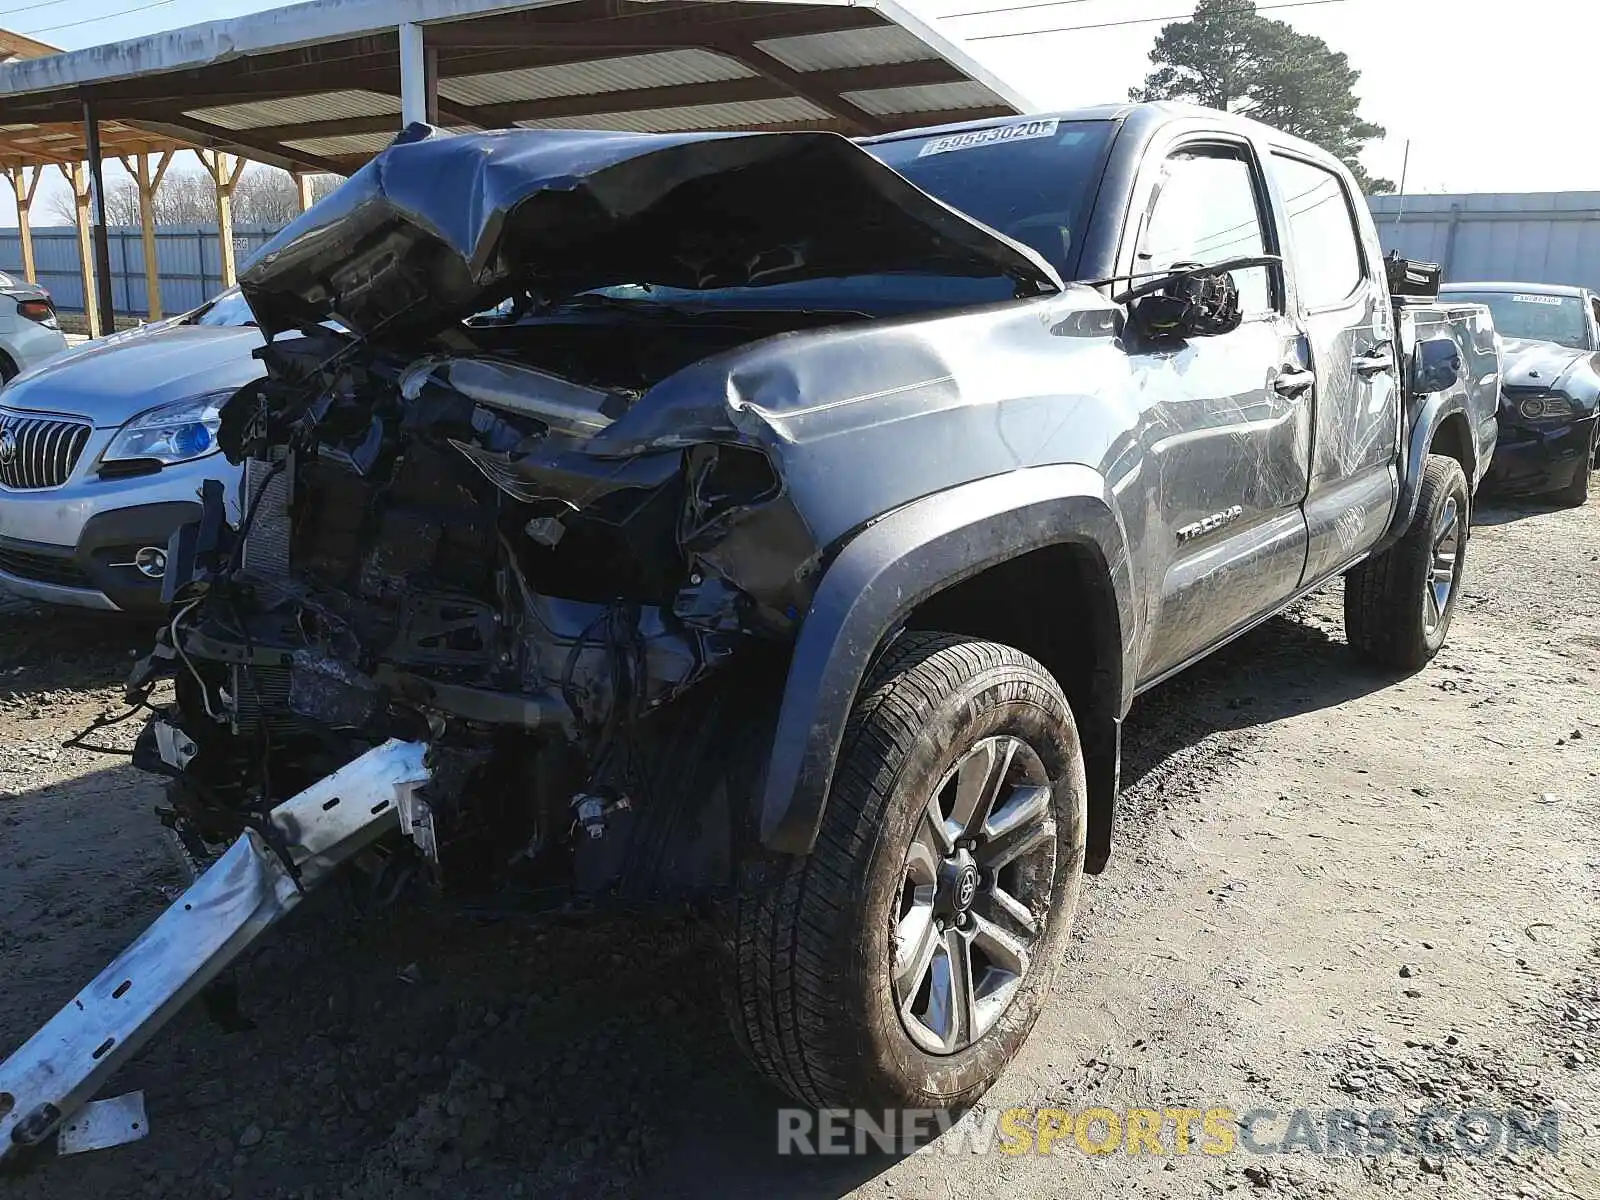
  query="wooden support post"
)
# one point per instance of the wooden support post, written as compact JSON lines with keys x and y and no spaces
{"x":77,"y":176}
{"x":430,"y":80}
{"x":25,"y":187}
{"x":149,"y":180}
{"x":225,"y":171}
{"x":302,"y":190}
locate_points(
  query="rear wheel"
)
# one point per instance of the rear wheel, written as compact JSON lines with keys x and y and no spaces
{"x":1398,"y":604}
{"x":902,"y":963}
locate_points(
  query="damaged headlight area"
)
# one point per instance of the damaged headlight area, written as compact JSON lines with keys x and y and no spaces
{"x":434,"y":552}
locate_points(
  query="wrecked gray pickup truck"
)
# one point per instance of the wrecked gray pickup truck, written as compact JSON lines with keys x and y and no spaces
{"x":788,"y":546}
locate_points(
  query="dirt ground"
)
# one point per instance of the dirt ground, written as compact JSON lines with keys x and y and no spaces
{"x":1332,"y":890}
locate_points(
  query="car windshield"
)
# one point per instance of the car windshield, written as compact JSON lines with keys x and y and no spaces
{"x":1535,"y":315}
{"x":1030,"y":180}
{"x":227,"y":309}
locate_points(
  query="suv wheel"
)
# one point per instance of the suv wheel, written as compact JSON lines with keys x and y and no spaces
{"x":902,"y":963}
{"x":1398,"y":604}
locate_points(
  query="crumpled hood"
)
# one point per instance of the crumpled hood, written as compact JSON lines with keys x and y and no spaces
{"x":1538,"y":366}
{"x":112,"y":380}
{"x":437,"y":227}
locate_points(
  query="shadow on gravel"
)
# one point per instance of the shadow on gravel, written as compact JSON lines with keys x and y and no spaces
{"x":419,"y":1053}
{"x":42,"y":649}
{"x":1295,"y":663}
{"x":1503,"y":510}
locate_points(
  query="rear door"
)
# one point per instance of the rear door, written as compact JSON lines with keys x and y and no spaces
{"x":1344,"y":307}
{"x":1224,"y":420}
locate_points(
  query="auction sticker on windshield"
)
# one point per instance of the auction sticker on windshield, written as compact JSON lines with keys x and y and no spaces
{"x":1520,"y":298}
{"x":988,"y":137}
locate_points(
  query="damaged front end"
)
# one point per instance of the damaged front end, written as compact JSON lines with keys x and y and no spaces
{"x":433,"y":551}
{"x":498,"y":536}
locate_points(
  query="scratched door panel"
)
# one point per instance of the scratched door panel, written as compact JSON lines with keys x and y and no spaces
{"x":1230,"y":455}
{"x":1348,"y":323}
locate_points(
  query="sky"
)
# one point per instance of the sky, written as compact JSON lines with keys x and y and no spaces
{"x":1490,"y":98}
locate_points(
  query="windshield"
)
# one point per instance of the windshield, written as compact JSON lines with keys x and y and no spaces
{"x":1030,"y":180}
{"x":1535,"y":316}
{"x":227,"y":309}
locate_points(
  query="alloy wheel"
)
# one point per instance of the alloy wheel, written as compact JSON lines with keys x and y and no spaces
{"x":1449,"y":536}
{"x":975,"y":895}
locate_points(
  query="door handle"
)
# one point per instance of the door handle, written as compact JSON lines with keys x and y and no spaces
{"x":1293,"y":381}
{"x":1375,"y":360}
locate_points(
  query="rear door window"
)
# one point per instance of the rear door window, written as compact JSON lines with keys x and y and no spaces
{"x":1327,"y":248}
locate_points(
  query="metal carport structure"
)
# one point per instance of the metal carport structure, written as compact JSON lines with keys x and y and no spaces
{"x":322,"y":86}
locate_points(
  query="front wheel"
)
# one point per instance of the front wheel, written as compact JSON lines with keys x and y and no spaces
{"x":1398,"y":604}
{"x":1576,"y":493}
{"x":902,"y":963}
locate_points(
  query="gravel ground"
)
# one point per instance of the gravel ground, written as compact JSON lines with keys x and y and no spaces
{"x":1331,"y":889}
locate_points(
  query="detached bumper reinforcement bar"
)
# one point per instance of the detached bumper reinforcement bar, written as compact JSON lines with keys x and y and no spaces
{"x":237,"y":899}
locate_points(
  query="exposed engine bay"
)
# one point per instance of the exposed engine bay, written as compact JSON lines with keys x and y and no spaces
{"x":429,"y":554}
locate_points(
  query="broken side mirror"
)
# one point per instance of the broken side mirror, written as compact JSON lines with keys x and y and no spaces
{"x":1436,"y":366}
{"x":1201,"y":304}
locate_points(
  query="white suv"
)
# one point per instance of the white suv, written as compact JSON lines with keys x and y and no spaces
{"x":29,"y":331}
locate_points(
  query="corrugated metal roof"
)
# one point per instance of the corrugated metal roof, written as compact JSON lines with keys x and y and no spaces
{"x":662,"y":69}
{"x":848,"y":48}
{"x":344,"y":143}
{"x":732,"y":115}
{"x":927,"y":97}
{"x":321,"y":106}
{"x":327,"y":70}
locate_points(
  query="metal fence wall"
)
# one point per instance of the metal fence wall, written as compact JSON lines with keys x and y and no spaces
{"x":1532,"y":237}
{"x":1538,"y":237}
{"x":189,"y":257}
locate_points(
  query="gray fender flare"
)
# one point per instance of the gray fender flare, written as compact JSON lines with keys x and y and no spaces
{"x":1424,"y":426}
{"x":880,"y":576}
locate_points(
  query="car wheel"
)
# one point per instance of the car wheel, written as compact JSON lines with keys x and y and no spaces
{"x":1576,"y":493}
{"x":903,"y":961}
{"x":1398,"y":604}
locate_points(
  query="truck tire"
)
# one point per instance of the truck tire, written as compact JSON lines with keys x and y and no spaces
{"x":951,"y":850}
{"x":1398,"y":604}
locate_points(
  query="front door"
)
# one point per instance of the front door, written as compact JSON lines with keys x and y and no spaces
{"x":1225,"y":420}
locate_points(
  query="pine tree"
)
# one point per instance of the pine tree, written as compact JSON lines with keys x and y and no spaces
{"x":1229,"y":56}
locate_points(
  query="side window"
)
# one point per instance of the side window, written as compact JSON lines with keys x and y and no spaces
{"x":1327,"y":248}
{"x":1206,"y":210}
{"x":1594,"y":305}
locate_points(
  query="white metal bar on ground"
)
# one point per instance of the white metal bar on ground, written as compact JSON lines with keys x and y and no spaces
{"x":238,"y":898}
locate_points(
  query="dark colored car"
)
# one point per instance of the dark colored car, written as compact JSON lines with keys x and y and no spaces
{"x":1550,"y":400}
{"x":790,"y":546}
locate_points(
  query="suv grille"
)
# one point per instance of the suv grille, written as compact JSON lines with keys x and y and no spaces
{"x":38,"y":452}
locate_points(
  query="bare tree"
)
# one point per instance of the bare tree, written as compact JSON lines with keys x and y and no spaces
{"x":263,"y":197}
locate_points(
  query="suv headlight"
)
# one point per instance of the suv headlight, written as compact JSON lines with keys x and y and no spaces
{"x":173,"y":433}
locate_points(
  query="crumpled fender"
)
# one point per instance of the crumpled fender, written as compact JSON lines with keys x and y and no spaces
{"x":880,"y":576}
